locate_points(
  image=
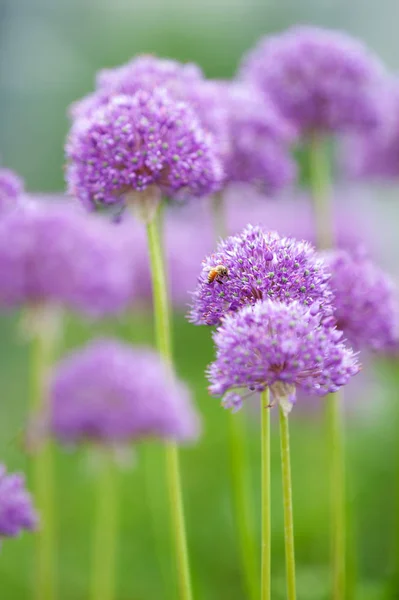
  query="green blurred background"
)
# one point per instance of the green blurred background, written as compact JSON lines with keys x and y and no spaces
{"x":49,"y":52}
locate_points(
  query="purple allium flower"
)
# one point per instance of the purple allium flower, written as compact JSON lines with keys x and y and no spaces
{"x":280,"y":346}
{"x":375,"y":155}
{"x":365,"y":301}
{"x":259,"y":137}
{"x":144,"y":72}
{"x":16,"y":509}
{"x":135,"y":142}
{"x":183,"y":82}
{"x":260,"y":265}
{"x":111,"y":392}
{"x":320,"y":79}
{"x":55,"y":253}
{"x":11,"y":189}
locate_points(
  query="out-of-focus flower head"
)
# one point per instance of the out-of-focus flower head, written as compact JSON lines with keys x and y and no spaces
{"x":140,"y":143}
{"x":365,"y":301}
{"x":59,"y":254}
{"x":259,"y":265}
{"x":280,"y":346}
{"x":259,"y":138}
{"x":11,"y":189}
{"x":375,"y":155}
{"x":112,"y":393}
{"x":16,"y":509}
{"x":321,"y":80}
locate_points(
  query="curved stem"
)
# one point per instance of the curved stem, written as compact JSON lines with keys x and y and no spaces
{"x":266,"y":500}
{"x":105,"y":530}
{"x":287,"y":501}
{"x":163,"y":336}
{"x":338,"y":521}
{"x":43,"y":341}
{"x":319,"y":169}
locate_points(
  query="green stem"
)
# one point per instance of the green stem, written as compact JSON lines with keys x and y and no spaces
{"x":338,"y":520}
{"x":42,"y":350}
{"x":243,"y":508}
{"x":321,"y":193}
{"x":266,"y":500}
{"x":343,"y":561}
{"x":164,"y":344}
{"x":105,"y":530}
{"x":287,"y":501}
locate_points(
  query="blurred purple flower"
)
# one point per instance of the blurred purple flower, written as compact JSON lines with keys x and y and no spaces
{"x":280,"y":346}
{"x":58,"y":254}
{"x":260,"y":265}
{"x":139,"y":142}
{"x":11,"y":189}
{"x":376,"y":155}
{"x":111,"y":392}
{"x":16,"y":508}
{"x":258,"y":139}
{"x":365,"y":301}
{"x":321,"y":79}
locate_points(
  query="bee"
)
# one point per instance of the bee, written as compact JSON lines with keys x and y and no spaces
{"x":218,"y":273}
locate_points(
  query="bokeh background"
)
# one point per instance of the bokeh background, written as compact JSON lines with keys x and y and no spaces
{"x":49,"y":53}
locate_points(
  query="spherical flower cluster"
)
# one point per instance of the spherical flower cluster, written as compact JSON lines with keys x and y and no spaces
{"x":144,"y":72}
{"x":320,"y":79}
{"x":110,"y":392}
{"x":376,"y":155}
{"x":11,"y":189}
{"x":259,"y":265}
{"x":259,"y":138}
{"x":279,"y":346}
{"x":16,"y":508}
{"x":55,"y":253}
{"x":139,"y":141}
{"x":183,"y":82}
{"x":365,"y":301}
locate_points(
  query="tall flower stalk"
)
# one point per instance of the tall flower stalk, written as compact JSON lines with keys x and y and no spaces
{"x":164,"y":345}
{"x":105,"y":529}
{"x":43,"y":330}
{"x":241,"y":489}
{"x":321,"y":195}
{"x":266,"y":496}
{"x":288,"y":509}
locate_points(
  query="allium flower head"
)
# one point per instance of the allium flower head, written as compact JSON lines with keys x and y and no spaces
{"x":183,"y":82}
{"x":55,"y":253}
{"x":16,"y":509}
{"x":281,"y":347}
{"x":11,"y":189}
{"x":144,"y":72}
{"x":320,"y":79}
{"x":139,"y":141}
{"x":375,"y":155}
{"x":111,"y":392}
{"x":260,"y":265}
{"x":259,"y":137}
{"x":365,"y":301}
